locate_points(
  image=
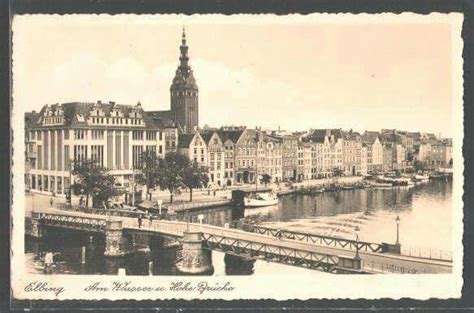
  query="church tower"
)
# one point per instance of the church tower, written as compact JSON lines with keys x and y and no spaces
{"x":184,"y":92}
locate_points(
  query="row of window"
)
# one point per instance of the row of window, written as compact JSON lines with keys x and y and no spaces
{"x":116,"y":121}
{"x":56,"y":120}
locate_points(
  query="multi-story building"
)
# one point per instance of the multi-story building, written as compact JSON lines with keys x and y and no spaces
{"x":374,"y":151}
{"x":216,"y":158}
{"x":246,"y":157}
{"x":326,"y":152}
{"x":441,"y":155}
{"x":424,"y":152}
{"x":387,"y":157}
{"x":398,"y":157}
{"x":229,"y":139}
{"x":351,"y":153}
{"x":363,"y":159}
{"x":194,"y":147}
{"x":273,"y":157}
{"x":304,"y":165}
{"x":289,"y":157}
{"x":113,"y":135}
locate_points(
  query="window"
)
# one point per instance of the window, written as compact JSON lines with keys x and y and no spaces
{"x":79,"y":134}
{"x":137,"y":135}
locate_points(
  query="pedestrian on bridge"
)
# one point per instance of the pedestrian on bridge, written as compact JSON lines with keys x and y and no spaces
{"x":140,"y":221}
{"x":151,"y":218}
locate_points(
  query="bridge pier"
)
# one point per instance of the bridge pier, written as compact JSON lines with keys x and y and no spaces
{"x":348,"y":263}
{"x":113,"y":239}
{"x":236,"y":265}
{"x":34,"y":229}
{"x":195,"y":259}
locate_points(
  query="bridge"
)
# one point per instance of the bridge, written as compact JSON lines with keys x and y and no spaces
{"x":328,"y":254}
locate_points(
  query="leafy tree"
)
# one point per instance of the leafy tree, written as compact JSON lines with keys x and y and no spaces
{"x":266,"y":179}
{"x":93,"y":181}
{"x":170,"y":172}
{"x":419,"y":166}
{"x":149,"y":168}
{"x":337,"y":172}
{"x":195,"y":176}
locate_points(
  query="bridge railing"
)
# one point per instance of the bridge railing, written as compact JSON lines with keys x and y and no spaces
{"x":427,"y":253}
{"x":316,"y":239}
{"x":70,"y":221}
{"x":165,"y":227}
{"x":269,"y":252}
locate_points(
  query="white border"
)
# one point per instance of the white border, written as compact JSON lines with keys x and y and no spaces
{"x":278,"y":286}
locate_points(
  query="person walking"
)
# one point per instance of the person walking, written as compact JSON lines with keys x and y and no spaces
{"x":51,"y":201}
{"x":150,"y":218}
{"x":140,"y":221}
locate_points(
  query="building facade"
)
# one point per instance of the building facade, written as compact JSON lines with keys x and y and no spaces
{"x":351,"y":153}
{"x":193,"y":146}
{"x":113,"y":135}
{"x":289,"y":157}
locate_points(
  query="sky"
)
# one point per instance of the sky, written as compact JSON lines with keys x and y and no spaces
{"x":294,"y":76}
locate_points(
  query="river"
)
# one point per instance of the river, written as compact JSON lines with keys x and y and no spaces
{"x":425,"y":213}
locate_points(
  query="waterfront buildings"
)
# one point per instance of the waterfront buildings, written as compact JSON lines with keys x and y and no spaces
{"x":115,"y":136}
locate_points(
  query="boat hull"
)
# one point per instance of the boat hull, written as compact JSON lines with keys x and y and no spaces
{"x":255,"y":203}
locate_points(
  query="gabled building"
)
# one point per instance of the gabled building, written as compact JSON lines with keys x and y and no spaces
{"x":326,"y":152}
{"x":273,"y":147}
{"x":374,"y":151}
{"x":304,"y":165}
{"x":216,"y":158}
{"x":229,"y":138}
{"x":245,"y":165}
{"x":289,"y":157}
{"x":351,"y":153}
{"x":194,"y":147}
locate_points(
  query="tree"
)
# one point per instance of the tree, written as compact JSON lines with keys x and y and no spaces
{"x":418,"y":166}
{"x":337,"y":172}
{"x":195,"y":176}
{"x":93,"y":181}
{"x":266,"y":179}
{"x":170,"y":172}
{"x":149,"y":168}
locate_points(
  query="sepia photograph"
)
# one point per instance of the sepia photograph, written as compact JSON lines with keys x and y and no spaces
{"x":210,"y":152}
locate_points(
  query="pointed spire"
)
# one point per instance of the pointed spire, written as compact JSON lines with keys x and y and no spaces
{"x":183,"y":36}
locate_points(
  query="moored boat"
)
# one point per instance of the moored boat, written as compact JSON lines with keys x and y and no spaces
{"x":261,"y":199}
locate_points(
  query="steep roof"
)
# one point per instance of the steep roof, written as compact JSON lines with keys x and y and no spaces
{"x":206,"y":136}
{"x":162,"y":118}
{"x":232,"y":135}
{"x":77,"y":114}
{"x":184,"y":140}
{"x":370,"y":136}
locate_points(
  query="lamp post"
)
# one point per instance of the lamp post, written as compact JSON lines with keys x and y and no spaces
{"x":357,"y":229}
{"x":398,"y":230}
